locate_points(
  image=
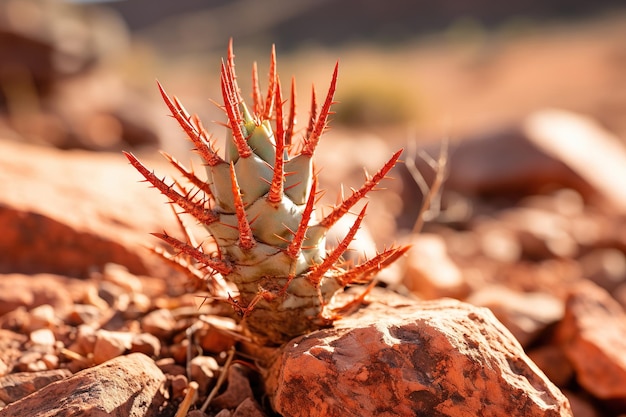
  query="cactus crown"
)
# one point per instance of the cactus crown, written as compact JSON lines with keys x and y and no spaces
{"x":258,"y":205}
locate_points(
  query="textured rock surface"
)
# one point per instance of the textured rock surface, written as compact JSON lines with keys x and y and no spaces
{"x":18,"y":385}
{"x":66,"y":213}
{"x":593,"y":335}
{"x":125,"y":386}
{"x":438,"y":358}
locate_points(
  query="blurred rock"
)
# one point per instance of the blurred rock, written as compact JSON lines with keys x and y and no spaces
{"x":550,"y":149}
{"x":147,"y":344}
{"x":56,"y":63}
{"x":109,"y":345}
{"x":18,"y":290}
{"x":71,"y":212}
{"x":213,"y":338}
{"x":552,"y":361}
{"x":43,"y":337}
{"x":606,"y":267}
{"x":541,"y":234}
{"x":443,"y":358}
{"x":10,"y":349}
{"x":526,"y":315}
{"x":125,"y":386}
{"x":178,"y":386}
{"x":581,"y":406}
{"x":203,"y":369}
{"x":430,"y":272}
{"x":160,"y":323}
{"x":593,"y":336}
{"x":499,"y":243}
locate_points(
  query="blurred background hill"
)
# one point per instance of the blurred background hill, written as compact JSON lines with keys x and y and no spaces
{"x":290,"y":24}
{"x":81,"y":73}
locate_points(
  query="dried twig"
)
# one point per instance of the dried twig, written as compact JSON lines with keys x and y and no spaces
{"x":190,"y":398}
{"x":220,"y":380}
{"x":431,"y":206}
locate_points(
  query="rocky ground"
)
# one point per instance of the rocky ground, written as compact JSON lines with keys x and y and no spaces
{"x":91,"y":318}
{"x":510,"y":302}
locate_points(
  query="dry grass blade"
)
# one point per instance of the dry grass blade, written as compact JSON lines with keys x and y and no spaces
{"x":220,"y":380}
{"x":431,"y":205}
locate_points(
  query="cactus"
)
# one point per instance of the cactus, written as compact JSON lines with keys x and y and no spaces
{"x":258,"y":205}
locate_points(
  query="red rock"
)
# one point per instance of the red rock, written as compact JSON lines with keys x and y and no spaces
{"x":581,"y":406}
{"x":119,"y":275}
{"x":443,"y":358}
{"x":31,"y":361}
{"x":597,"y":156}
{"x":526,"y":315}
{"x":499,"y":243}
{"x":213,"y":339}
{"x":10,"y":345}
{"x":125,"y":386}
{"x":169,"y":366}
{"x":237,"y":391}
{"x":83,"y":314}
{"x":43,"y":317}
{"x":541,"y":233}
{"x":160,"y":323}
{"x":20,"y":384}
{"x":605,"y":267}
{"x":550,"y":148}
{"x":552,"y":361}
{"x":85,"y":340}
{"x":69,"y":212}
{"x":593,"y":336}
{"x":248,"y":408}
{"x":203,"y":370}
{"x":51,"y":361}
{"x":430,"y":272}
{"x":147,"y":344}
{"x":42,"y":337}
{"x":109,"y":345}
{"x":178,"y":384}
{"x":178,"y":351}
{"x":200,"y":413}
{"x":18,"y":290}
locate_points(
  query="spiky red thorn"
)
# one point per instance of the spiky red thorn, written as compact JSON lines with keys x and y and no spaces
{"x":203,"y":215}
{"x":298,"y":238}
{"x":195,"y":135}
{"x":230,"y":93}
{"x":362,"y":273}
{"x":264,"y":110}
{"x":273,"y":79}
{"x":357,"y":195}
{"x":318,"y":271}
{"x":230,"y":58}
{"x":322,"y":120}
{"x":257,"y":105}
{"x":189,"y":174}
{"x":291,"y":118}
{"x":275,"y":195}
{"x":246,"y":239}
{"x":312,"y":114}
{"x":214,"y":263}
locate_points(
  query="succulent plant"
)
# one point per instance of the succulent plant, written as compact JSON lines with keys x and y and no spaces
{"x":258,"y":205}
